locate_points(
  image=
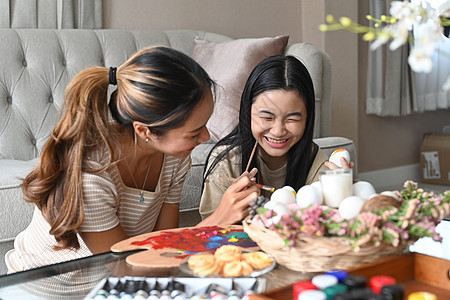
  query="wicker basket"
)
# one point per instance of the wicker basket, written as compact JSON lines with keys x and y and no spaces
{"x":317,"y":254}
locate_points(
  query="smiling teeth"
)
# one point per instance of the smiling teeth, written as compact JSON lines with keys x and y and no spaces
{"x":276,"y":141}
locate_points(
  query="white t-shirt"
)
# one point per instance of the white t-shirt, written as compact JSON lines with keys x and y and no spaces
{"x":107,"y":203}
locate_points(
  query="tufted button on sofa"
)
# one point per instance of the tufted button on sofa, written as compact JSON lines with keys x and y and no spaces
{"x":36,"y":65}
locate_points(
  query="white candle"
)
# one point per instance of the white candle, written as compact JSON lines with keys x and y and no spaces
{"x":336,"y":186}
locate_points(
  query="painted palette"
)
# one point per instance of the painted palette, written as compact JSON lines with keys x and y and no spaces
{"x":168,"y":248}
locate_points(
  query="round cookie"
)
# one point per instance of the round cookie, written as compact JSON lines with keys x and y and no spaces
{"x":228,"y":253}
{"x":204,"y":264}
{"x":246,"y":268}
{"x":258,"y":260}
{"x":232,"y":269}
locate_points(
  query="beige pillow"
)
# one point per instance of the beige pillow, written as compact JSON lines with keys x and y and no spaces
{"x":229,"y":64}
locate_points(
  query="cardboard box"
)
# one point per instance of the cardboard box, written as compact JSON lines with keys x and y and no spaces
{"x":435,"y":158}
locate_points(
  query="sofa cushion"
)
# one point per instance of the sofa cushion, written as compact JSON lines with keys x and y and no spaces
{"x":230,"y":64}
{"x":312,"y":59}
{"x":192,"y":189}
{"x":11,"y":197}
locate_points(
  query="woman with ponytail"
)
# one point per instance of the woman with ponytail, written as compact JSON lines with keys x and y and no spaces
{"x":276,"y":114}
{"x":115,"y":169}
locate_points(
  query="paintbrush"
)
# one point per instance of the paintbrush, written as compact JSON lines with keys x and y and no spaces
{"x":261,"y":186}
{"x":253,"y":153}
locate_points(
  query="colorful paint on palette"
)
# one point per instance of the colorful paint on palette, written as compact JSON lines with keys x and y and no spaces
{"x":198,"y":239}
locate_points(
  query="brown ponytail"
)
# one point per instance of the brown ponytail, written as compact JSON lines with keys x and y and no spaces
{"x":55,"y":186}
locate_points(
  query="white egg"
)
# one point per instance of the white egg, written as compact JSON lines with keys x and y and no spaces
{"x":391,"y":194}
{"x":363,"y":189}
{"x":335,"y":157}
{"x":350,"y":207}
{"x":308,"y":195}
{"x":283,"y":196}
{"x":280,"y":209}
{"x":318,"y":185}
{"x":290,"y":189}
{"x":269,"y":204}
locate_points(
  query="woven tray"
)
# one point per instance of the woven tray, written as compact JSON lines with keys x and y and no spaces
{"x":317,"y":254}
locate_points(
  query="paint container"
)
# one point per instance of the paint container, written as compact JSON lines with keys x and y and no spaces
{"x":377,"y":282}
{"x":178,"y":295}
{"x":393,"y":292}
{"x":354,"y":282}
{"x":117,"y":289}
{"x":333,"y":290}
{"x":422,"y":296}
{"x":312,"y":295}
{"x":165,"y":295}
{"x":236,"y":291}
{"x":324,"y":281}
{"x":302,"y":286}
{"x":216,"y":291}
{"x":339,"y":274}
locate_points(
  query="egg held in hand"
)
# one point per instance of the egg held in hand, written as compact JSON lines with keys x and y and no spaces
{"x":335,"y":157}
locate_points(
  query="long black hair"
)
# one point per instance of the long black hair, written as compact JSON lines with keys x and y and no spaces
{"x":278,"y":72}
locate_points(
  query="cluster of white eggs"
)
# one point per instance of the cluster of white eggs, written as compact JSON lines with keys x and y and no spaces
{"x":285,"y":199}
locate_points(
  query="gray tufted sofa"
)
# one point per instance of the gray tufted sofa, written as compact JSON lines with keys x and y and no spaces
{"x":36,"y":65}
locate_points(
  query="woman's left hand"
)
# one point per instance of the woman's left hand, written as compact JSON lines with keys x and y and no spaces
{"x":344,"y":163}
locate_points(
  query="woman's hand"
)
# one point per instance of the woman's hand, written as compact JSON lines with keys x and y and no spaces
{"x":233,"y":206}
{"x":344,"y":163}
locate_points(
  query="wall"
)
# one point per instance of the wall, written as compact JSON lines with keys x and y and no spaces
{"x":234,"y":18}
{"x":382,"y":142}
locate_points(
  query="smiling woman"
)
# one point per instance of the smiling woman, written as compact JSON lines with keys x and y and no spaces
{"x":280,"y":117}
{"x":277,"y":111}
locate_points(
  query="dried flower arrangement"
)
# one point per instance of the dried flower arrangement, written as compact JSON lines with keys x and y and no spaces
{"x":417,"y":216}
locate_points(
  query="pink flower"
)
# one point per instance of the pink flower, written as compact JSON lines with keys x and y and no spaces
{"x":270,"y":213}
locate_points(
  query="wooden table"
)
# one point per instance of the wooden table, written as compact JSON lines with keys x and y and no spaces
{"x":416,"y":272}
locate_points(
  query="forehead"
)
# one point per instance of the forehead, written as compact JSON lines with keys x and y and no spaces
{"x":279,"y":100}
